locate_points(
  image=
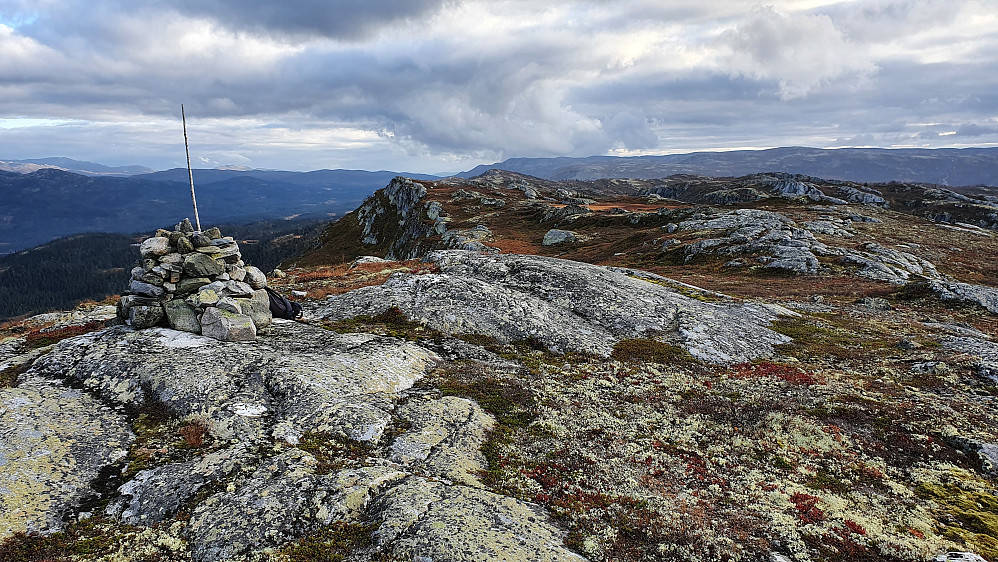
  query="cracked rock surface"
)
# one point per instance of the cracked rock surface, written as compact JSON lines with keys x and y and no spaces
{"x":567,"y":305}
{"x":67,"y":427}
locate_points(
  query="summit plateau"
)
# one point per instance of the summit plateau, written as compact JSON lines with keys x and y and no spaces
{"x":771,"y":367}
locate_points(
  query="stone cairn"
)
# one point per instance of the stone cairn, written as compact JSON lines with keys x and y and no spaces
{"x":196,"y":282}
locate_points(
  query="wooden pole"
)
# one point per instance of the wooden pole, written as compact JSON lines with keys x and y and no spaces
{"x":190,"y":174}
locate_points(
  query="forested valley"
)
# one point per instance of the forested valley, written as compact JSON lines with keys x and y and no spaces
{"x":62,"y":273}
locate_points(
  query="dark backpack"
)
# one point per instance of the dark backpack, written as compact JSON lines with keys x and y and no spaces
{"x":281,"y":307}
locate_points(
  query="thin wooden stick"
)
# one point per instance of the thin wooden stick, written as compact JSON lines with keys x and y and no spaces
{"x":190,"y":174}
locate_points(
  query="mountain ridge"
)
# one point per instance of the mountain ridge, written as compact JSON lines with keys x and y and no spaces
{"x":943,"y":166}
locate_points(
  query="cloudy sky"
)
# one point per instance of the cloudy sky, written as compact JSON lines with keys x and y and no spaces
{"x":443,"y":85}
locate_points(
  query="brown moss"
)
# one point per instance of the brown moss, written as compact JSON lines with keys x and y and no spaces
{"x":330,"y":544}
{"x":333,"y":452}
{"x":88,"y":538}
{"x":652,"y":351}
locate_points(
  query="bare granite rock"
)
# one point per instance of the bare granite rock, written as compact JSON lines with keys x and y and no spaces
{"x":981,"y":295}
{"x":442,"y":441}
{"x":297,"y":379}
{"x":569,"y":306}
{"x":426,"y":520}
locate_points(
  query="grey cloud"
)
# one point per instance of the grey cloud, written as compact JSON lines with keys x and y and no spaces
{"x":536,"y":91}
{"x":631,"y":130}
{"x":880,"y":20}
{"x":349,"y":19}
{"x":975,"y":130}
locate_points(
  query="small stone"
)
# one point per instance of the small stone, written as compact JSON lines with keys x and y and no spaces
{"x":191,"y":284}
{"x":204,"y":297}
{"x":209,"y":250}
{"x":182,"y":316}
{"x":200,"y":265}
{"x":161,"y":233}
{"x":238,"y":289}
{"x":228,"y":251}
{"x":175,"y":236}
{"x":255,"y":278}
{"x":145,"y":289}
{"x":226,"y":326}
{"x":148,"y":264}
{"x":170,"y":287}
{"x":230,"y":304}
{"x":237,"y":273}
{"x":138,"y":272}
{"x":200,"y":240}
{"x":908,"y":344}
{"x":173,"y":259}
{"x":144,"y":316}
{"x":222,"y":277}
{"x":213,"y":232}
{"x":217,"y":286}
{"x":152,"y":279}
{"x":222,"y":242}
{"x":278,"y":274}
{"x":185,"y":226}
{"x":184,"y":245}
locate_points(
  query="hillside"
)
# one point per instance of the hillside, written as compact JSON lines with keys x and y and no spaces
{"x":48,"y":203}
{"x":953,"y":167}
{"x":764,"y":368}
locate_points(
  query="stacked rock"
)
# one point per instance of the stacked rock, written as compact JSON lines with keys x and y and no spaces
{"x":196,"y":282}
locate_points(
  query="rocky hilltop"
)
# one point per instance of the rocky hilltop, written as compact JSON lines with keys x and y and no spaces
{"x":505,"y":368}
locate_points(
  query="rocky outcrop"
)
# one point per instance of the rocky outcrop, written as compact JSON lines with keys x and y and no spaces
{"x":986,"y":297}
{"x":569,"y":306}
{"x":65,"y":430}
{"x":420,"y":518}
{"x":469,"y":239}
{"x":771,"y":240}
{"x":557,"y":236}
{"x":392,"y":217}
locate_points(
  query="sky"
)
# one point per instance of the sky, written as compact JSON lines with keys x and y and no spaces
{"x":439,"y":86}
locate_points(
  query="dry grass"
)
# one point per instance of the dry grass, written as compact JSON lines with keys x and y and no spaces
{"x":321,"y":281}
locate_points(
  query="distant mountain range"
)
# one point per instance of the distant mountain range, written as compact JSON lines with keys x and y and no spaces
{"x":49,"y":203}
{"x":45,"y":198}
{"x":944,"y":166}
{"x":70,"y":165}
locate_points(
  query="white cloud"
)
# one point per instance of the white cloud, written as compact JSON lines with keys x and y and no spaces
{"x":800,"y":51}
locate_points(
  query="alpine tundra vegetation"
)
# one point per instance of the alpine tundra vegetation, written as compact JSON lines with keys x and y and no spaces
{"x":765,"y":368}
